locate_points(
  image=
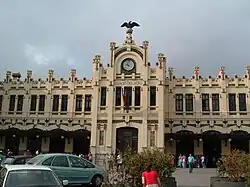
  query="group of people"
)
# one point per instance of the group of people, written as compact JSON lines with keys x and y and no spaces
{"x":197,"y":161}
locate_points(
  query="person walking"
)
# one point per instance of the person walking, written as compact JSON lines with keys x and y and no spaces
{"x":150,"y":177}
{"x":190,"y":163}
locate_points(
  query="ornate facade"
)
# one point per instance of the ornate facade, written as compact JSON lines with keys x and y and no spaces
{"x":129,"y":102}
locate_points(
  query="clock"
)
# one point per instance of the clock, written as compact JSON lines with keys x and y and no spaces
{"x":128,"y":64}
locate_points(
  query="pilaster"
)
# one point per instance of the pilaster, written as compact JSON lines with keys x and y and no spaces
{"x":109,"y":131}
{"x":45,"y":144}
{"x":198,"y":147}
{"x":23,"y":144}
{"x":225,"y":147}
{"x":2,"y":142}
{"x":94,"y":111}
{"x":161,"y":116}
{"x":68,"y":148}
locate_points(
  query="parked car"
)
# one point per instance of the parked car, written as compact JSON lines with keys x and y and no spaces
{"x":16,"y":160}
{"x":72,"y":168}
{"x":29,"y":176}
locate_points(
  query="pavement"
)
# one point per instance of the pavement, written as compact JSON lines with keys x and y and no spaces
{"x":199,"y":178}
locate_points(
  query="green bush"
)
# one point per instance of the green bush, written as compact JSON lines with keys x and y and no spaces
{"x":135,"y":163}
{"x":235,"y":166}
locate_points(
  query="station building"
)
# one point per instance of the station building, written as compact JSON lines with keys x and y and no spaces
{"x":128,"y":102}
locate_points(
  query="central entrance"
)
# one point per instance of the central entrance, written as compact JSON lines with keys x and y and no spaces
{"x":184,"y":143}
{"x":126,"y":137}
{"x":240,"y":141}
{"x":81,"y":142}
{"x":211,"y":147}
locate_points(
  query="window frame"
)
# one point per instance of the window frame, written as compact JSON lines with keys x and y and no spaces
{"x":60,"y":159}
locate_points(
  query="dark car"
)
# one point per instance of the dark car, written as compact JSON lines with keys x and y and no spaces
{"x":16,"y":160}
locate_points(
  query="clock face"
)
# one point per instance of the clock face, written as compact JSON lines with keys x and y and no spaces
{"x":128,"y":64}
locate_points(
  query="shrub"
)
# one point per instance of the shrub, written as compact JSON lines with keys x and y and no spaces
{"x":135,"y":163}
{"x":247,"y":168}
{"x":232,"y":165}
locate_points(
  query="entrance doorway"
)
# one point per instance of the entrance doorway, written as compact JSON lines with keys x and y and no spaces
{"x":34,"y":144}
{"x":240,"y":141}
{"x":126,"y":137}
{"x":81,"y":142}
{"x":184,"y":143}
{"x":211,"y":148}
{"x":12,"y":143}
{"x":57,"y":144}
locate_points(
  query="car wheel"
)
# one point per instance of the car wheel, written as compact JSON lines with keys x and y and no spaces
{"x":97,"y":181}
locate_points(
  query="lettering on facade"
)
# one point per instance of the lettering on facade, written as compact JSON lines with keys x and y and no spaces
{"x":129,"y":82}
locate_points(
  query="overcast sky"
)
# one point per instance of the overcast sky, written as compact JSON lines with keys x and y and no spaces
{"x":65,"y":34}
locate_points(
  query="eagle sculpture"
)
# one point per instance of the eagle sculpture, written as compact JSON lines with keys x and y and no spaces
{"x":130,"y":24}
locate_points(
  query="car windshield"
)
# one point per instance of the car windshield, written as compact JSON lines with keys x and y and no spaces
{"x":35,"y":159}
{"x":8,"y":160}
{"x":32,"y":178}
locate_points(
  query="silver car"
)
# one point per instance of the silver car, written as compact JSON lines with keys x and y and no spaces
{"x":29,"y":176}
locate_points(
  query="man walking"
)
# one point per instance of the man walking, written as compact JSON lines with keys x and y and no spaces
{"x":190,"y":163}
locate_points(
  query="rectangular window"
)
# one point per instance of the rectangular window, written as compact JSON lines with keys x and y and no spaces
{"x":33,"y":101}
{"x":78,"y":103}
{"x":88,"y":99}
{"x":55,"y":104}
{"x":103,"y":96}
{"x":215,"y":102}
{"x":137,"y":96}
{"x":242,"y":102}
{"x":64,"y":103}
{"x":179,"y":102}
{"x":127,"y":96}
{"x":232,"y":102}
{"x":12,"y":103}
{"x":152,"y":138}
{"x":1,"y":102}
{"x":189,"y":102}
{"x":118,"y":92}
{"x":152,"y":95}
{"x":101,"y":137}
{"x":205,"y":102}
{"x":41,"y":106}
{"x":20,"y":103}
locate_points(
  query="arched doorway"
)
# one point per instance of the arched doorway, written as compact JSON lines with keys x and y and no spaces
{"x":126,"y":137}
{"x":12,"y":140}
{"x":240,"y":140}
{"x":184,"y":143}
{"x":57,"y":141}
{"x":211,"y":147}
{"x":34,"y":140}
{"x":81,"y":142}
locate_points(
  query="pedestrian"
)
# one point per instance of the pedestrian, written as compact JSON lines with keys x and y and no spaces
{"x":180,"y":161}
{"x":150,"y":177}
{"x":90,"y":157}
{"x":203,"y":161}
{"x":190,"y":163}
{"x":184,"y":159}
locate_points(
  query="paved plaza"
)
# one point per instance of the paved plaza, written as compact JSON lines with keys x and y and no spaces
{"x":199,"y":178}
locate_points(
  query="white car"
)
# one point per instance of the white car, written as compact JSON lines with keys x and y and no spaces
{"x":29,"y":176}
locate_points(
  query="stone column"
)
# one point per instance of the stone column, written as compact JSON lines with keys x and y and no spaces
{"x":94,"y":111}
{"x":198,"y":147}
{"x":2,"y":142}
{"x":22,"y":144}
{"x":45,"y":144}
{"x":109,"y":131}
{"x":225,"y":147}
{"x":68,"y":148}
{"x":161,"y":116}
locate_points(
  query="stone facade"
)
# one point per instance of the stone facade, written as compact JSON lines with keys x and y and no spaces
{"x":127,"y":92}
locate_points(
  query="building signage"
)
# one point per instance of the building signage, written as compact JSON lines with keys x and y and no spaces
{"x":129,"y":82}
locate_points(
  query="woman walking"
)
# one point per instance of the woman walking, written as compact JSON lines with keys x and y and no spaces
{"x":150,"y":177}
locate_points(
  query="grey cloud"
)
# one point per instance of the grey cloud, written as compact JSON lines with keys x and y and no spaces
{"x":67,"y":34}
